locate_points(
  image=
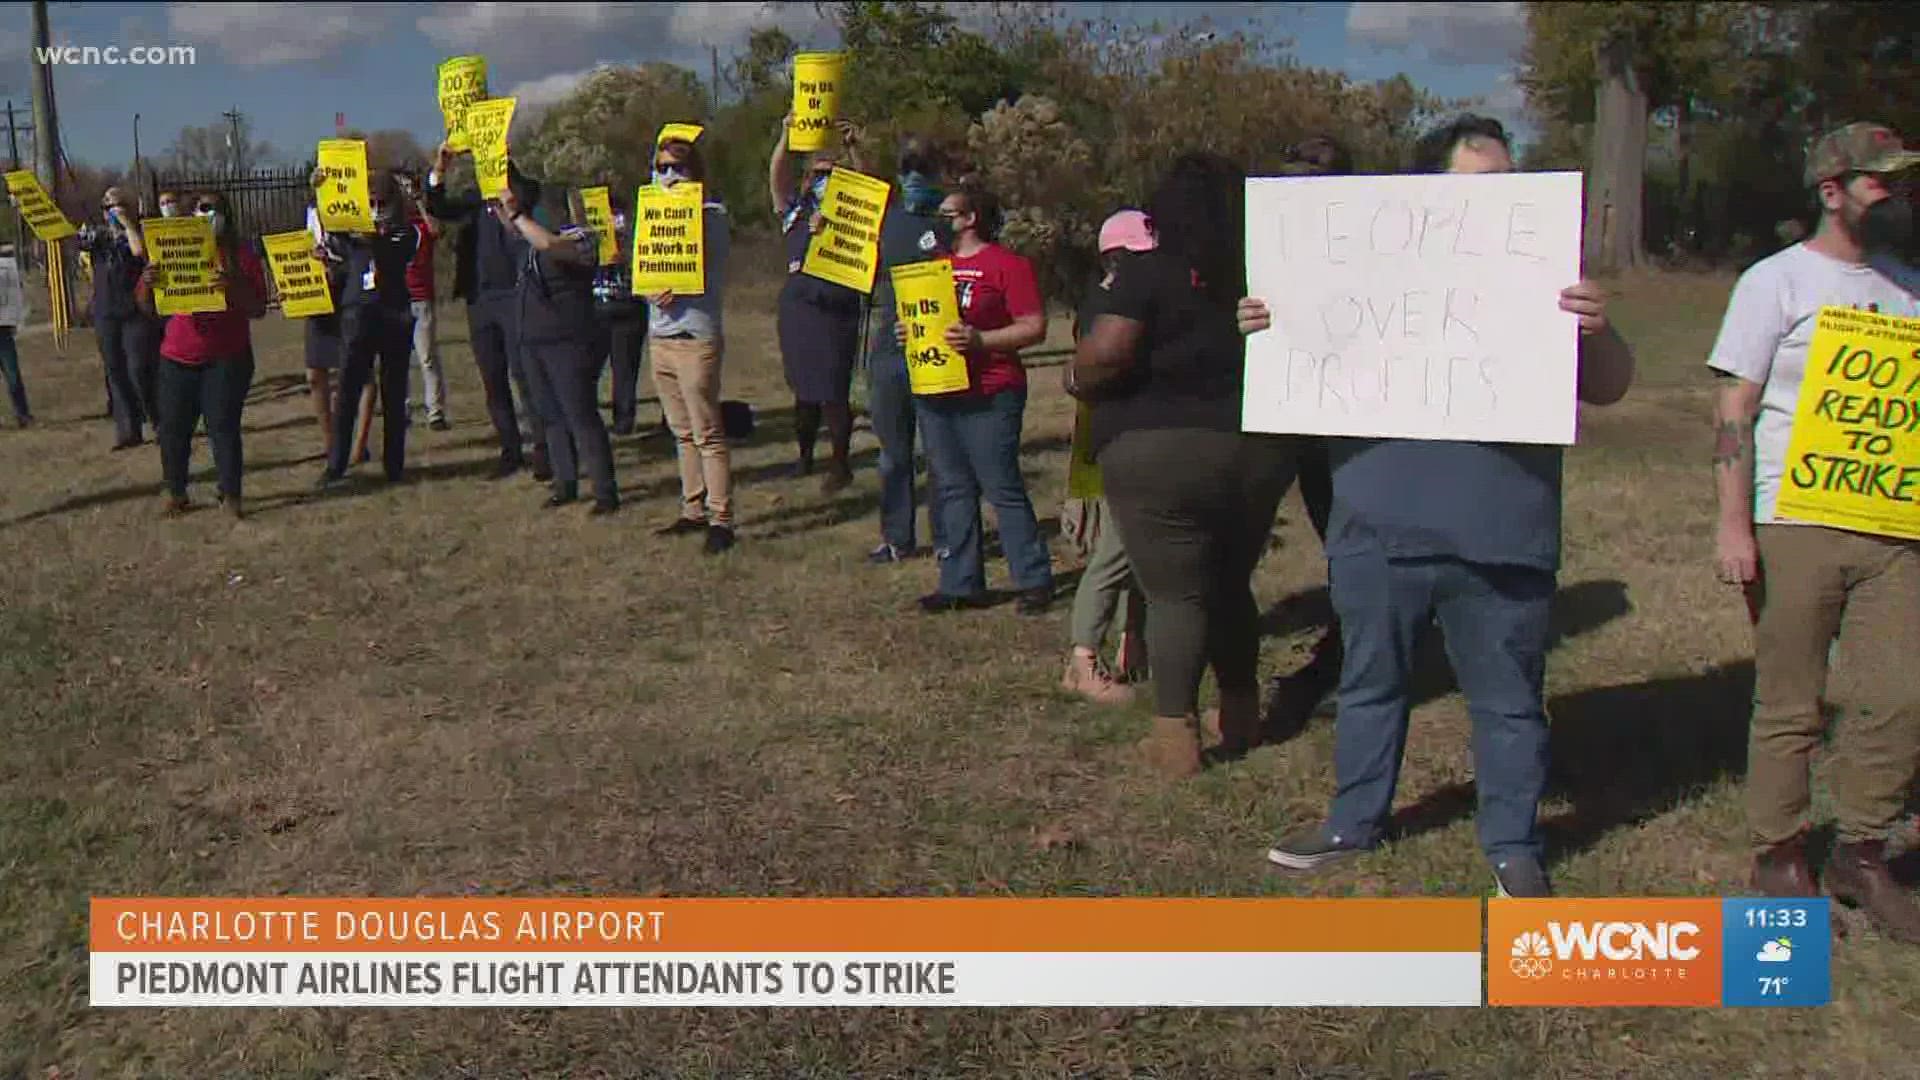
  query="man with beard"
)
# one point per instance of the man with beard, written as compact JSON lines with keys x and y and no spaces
{"x":1805,"y":583}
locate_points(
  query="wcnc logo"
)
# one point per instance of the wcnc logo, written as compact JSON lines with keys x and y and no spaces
{"x":1604,"y":952}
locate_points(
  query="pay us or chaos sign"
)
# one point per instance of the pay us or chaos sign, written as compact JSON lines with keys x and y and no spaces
{"x":342,"y":195}
{"x":1854,"y":459}
{"x":927,"y":306}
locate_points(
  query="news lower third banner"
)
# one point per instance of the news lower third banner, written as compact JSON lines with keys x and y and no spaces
{"x":543,"y":952}
{"x":786,"y":952}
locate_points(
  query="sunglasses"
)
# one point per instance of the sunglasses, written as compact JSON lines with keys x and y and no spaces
{"x":207,"y":207}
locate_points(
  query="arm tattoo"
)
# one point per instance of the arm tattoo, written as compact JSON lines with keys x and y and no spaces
{"x":1731,"y":439}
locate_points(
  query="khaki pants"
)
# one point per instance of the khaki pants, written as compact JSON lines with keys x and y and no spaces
{"x":1815,"y":583}
{"x":686,"y":374}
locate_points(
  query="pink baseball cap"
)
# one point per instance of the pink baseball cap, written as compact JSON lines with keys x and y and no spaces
{"x":1127,"y":230}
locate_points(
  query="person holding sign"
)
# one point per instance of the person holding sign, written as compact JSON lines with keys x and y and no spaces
{"x":129,"y":339}
{"x":1468,"y":532}
{"x":13,"y":315}
{"x":819,"y":321}
{"x":206,"y":361}
{"x":1820,"y":387}
{"x":688,"y":338}
{"x":973,"y":435}
{"x":376,"y":326}
{"x":620,"y":318}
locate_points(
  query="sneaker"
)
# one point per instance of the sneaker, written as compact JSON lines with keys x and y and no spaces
{"x":939,"y":603}
{"x":1311,"y":849}
{"x":887,"y":555}
{"x":439,"y":423}
{"x":682,"y":526}
{"x":1087,"y":677}
{"x":603,"y":507}
{"x":719,"y":539}
{"x":1035,"y":601}
{"x":330,"y":480}
{"x":558,"y":500}
{"x":231,"y":504}
{"x":1521,"y":877}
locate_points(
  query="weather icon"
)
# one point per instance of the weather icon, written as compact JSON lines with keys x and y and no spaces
{"x":1777,"y":951}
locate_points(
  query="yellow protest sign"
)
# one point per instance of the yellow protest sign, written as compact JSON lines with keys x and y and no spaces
{"x":300,"y":277}
{"x":927,"y":305}
{"x":487,"y":123}
{"x":37,"y":207}
{"x":816,"y":98}
{"x":1854,"y":459}
{"x":181,"y":249}
{"x":846,"y":251}
{"x":599,"y":212}
{"x":342,"y":195}
{"x":1083,"y":472}
{"x":679,"y":132}
{"x":463,"y":81}
{"x":669,"y":240}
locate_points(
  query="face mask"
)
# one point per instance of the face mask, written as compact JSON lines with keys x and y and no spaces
{"x":213,"y":218}
{"x":817,"y":188}
{"x":943,"y":233}
{"x":1887,"y":226}
{"x":672,"y":174}
{"x":619,"y":223}
{"x":919,"y":194}
{"x":170,"y":210}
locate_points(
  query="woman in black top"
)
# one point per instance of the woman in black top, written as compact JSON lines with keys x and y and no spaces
{"x":128,"y":337}
{"x":376,"y":327}
{"x":1163,"y":365}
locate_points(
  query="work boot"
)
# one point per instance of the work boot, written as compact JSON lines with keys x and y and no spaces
{"x":1857,"y":876}
{"x":1781,"y":870}
{"x":1089,"y":678}
{"x":1172,"y":747}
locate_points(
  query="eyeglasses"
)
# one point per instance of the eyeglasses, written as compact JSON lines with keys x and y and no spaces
{"x":949,"y":215}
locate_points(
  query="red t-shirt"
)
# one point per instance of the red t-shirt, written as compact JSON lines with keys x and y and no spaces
{"x":420,"y":268}
{"x":215,"y":335}
{"x":996,"y":287}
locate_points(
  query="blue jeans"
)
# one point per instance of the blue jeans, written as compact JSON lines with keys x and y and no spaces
{"x":890,"y":405}
{"x":974,"y":443}
{"x":1495,"y":621}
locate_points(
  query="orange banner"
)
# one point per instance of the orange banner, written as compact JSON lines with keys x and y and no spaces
{"x":1604,"y":952}
{"x":560,"y":924}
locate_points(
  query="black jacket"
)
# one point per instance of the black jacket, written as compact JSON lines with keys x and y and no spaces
{"x":488,"y":256}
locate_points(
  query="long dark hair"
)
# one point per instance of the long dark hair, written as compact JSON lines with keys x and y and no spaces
{"x":228,"y":236}
{"x":1199,"y":215}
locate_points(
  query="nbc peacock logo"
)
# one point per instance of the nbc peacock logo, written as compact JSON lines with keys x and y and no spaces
{"x":1532,"y":955}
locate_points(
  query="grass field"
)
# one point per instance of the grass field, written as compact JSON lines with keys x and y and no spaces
{"x":442,"y":689}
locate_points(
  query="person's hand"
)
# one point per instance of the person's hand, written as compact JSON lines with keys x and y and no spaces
{"x":1736,"y":558}
{"x":1252,"y":315}
{"x":318,"y":179}
{"x":320,"y":252}
{"x":509,"y":205}
{"x":963,"y":337}
{"x":443,"y":159}
{"x":1588,"y":301}
{"x":154,"y":277}
{"x":661,"y":299}
{"x":817,"y":222}
{"x":785,"y":126}
{"x":218,"y":278}
{"x":849,"y":133}
{"x":900,"y":334}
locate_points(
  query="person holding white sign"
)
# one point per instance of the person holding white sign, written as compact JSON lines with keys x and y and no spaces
{"x":1806,"y":584}
{"x":1468,"y":532}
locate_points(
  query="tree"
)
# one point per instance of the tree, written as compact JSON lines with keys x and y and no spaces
{"x":764,"y":65}
{"x":603,"y":133}
{"x":914,"y":58}
{"x":214,"y":149}
{"x":396,"y":148}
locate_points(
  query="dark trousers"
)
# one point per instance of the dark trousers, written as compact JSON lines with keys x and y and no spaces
{"x":890,"y":405}
{"x":10,"y":368}
{"x":184,"y":395}
{"x":1316,"y":481}
{"x":1195,"y":508}
{"x":622,"y":341}
{"x":384,"y":340}
{"x":563,"y":376}
{"x":130,"y":351}
{"x":975,"y":446}
{"x":492,"y":324}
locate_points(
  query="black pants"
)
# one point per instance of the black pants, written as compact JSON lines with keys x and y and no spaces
{"x":130,"y":351}
{"x":1195,"y":508}
{"x":564,"y":377}
{"x":215,"y":391}
{"x":622,"y":341}
{"x":385,"y":340}
{"x":1316,"y":481}
{"x":492,"y":324}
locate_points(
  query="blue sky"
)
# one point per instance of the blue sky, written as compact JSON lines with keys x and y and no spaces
{"x":291,"y":66}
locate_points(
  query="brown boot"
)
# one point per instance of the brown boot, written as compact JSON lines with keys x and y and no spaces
{"x":1089,"y":678}
{"x":1781,"y":870}
{"x":1172,"y":746}
{"x":1857,"y":876}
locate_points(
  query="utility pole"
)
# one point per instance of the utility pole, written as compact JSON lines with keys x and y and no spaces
{"x":713,"y":52}
{"x":19,"y":222}
{"x":233,"y":138}
{"x":46,"y":132}
{"x":139,"y":192}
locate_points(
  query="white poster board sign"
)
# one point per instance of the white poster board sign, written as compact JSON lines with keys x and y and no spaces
{"x":1418,"y":307}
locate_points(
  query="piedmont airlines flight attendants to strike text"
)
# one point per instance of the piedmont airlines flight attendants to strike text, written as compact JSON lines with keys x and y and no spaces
{"x":1807,"y":584}
{"x":206,"y":362}
{"x":1469,"y":532}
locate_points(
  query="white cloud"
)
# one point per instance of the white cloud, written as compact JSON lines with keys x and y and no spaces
{"x":266,"y":35}
{"x":1775,"y":952}
{"x":1506,"y":101}
{"x":548,"y":89}
{"x":1449,"y":33}
{"x":561,"y":37}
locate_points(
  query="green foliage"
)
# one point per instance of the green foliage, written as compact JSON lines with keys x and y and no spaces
{"x":908,"y":57}
{"x":603,"y":132}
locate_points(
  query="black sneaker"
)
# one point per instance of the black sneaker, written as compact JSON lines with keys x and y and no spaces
{"x":940,"y":603}
{"x":1521,"y":876}
{"x":681,"y":527}
{"x":1311,"y":849}
{"x":439,"y":423}
{"x":557,"y":499}
{"x":887,"y":555}
{"x":719,"y":539}
{"x":330,"y":480}
{"x":1035,"y":601}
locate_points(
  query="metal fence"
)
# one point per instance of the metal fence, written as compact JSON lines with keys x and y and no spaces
{"x":264,"y":200}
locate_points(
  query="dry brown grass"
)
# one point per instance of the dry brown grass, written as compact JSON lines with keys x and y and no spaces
{"x":443,"y":689}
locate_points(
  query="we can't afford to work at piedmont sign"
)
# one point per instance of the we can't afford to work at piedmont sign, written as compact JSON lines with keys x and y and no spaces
{"x":1418,"y":307}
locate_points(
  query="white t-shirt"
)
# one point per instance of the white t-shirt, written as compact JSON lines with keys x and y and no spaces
{"x":1770,"y":322}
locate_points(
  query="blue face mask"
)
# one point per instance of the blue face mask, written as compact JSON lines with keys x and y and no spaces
{"x":817,"y":188}
{"x":919,"y":194}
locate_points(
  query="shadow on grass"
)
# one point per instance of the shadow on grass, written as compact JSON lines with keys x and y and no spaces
{"x":127,"y":492}
{"x":276,"y":386}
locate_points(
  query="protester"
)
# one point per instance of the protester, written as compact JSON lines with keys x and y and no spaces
{"x":13,"y":315}
{"x":128,"y":338}
{"x":973,"y":435}
{"x":376,"y":327}
{"x":1805,"y":583}
{"x":912,"y":231}
{"x":557,"y":340}
{"x":1469,"y":532}
{"x":1194,"y":497}
{"x":819,"y":321}
{"x":488,"y":258}
{"x":1106,"y":589}
{"x":206,"y":363}
{"x":323,"y":346}
{"x":169,"y":204}
{"x":620,"y":319}
{"x":420,"y":292}
{"x":688,"y":342}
